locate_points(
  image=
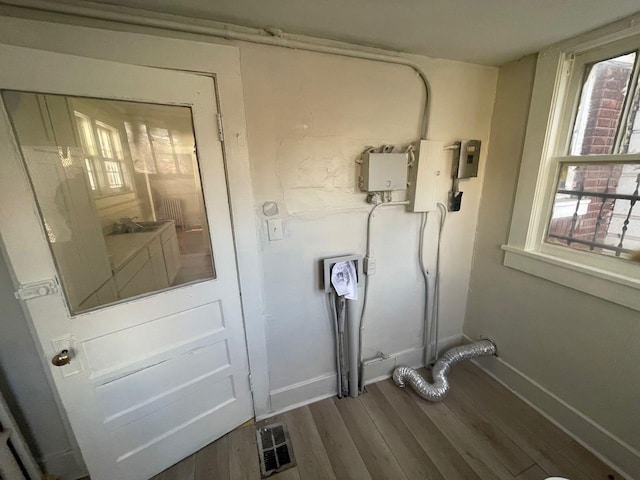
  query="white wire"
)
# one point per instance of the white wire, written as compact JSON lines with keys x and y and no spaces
{"x":366,"y":282}
{"x":432,"y":328}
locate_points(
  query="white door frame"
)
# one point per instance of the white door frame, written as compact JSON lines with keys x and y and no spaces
{"x":208,"y":57}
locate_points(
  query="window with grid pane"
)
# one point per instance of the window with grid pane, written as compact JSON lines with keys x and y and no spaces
{"x":576,"y":214}
{"x":104,"y":157}
{"x":596,"y":206}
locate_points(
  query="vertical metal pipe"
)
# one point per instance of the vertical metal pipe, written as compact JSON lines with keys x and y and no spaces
{"x":342,"y":313}
{"x":353,"y":330}
{"x":334,"y":316}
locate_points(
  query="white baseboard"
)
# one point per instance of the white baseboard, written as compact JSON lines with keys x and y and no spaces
{"x":302,"y":393}
{"x":63,"y":465}
{"x":379,"y":369}
{"x":325,"y":386}
{"x":595,"y":438}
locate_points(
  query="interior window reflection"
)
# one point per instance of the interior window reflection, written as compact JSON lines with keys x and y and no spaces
{"x":118,"y":188}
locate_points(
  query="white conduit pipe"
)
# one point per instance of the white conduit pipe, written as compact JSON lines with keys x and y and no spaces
{"x":434,"y":335}
{"x":436,"y":391}
{"x":367,"y":279}
{"x":425,"y":276}
{"x":272,"y":37}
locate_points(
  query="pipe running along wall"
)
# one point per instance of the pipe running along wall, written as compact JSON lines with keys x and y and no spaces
{"x":436,"y":391}
{"x":270,"y":36}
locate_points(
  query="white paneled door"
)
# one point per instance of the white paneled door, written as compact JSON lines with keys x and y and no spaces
{"x":155,"y":369}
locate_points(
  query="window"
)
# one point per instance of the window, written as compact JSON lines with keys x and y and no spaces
{"x":596,"y":208}
{"x":576,"y":219}
{"x":104,"y":159}
{"x":160,"y":150}
{"x":91,"y":174}
{"x":595,"y":202}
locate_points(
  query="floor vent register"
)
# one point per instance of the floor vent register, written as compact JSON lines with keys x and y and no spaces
{"x":274,"y":448}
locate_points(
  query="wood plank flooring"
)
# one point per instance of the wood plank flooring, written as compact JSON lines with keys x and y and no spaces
{"x":480,"y":431}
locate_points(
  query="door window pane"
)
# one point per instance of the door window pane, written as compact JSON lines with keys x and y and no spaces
{"x":118,"y":225}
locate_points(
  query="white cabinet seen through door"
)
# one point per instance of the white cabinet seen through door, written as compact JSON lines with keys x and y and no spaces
{"x":148,"y":308}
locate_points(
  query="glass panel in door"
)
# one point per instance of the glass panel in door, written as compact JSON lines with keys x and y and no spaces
{"x":118,"y":188}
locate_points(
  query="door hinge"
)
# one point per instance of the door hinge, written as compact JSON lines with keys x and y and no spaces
{"x":220,"y":128}
{"x":250,"y":383}
{"x":36,"y":289}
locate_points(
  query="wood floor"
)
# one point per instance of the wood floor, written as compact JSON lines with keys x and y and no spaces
{"x":480,"y":431}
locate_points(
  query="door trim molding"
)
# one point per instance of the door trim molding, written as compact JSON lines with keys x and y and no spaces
{"x":207,"y":56}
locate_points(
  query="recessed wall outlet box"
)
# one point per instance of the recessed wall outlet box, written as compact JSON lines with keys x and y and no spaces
{"x":469,"y":158}
{"x":328,"y":263}
{"x":427,"y":176}
{"x":383,"y":172}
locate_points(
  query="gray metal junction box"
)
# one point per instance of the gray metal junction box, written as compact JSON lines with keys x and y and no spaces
{"x":383,"y":172}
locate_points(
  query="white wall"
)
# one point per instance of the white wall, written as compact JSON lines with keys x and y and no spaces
{"x":309,"y":117}
{"x":25,"y":387}
{"x":574,"y":356}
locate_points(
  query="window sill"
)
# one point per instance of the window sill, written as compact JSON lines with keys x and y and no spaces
{"x":621,"y":289}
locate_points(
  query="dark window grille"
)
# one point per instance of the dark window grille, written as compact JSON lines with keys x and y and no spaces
{"x":607,"y":201}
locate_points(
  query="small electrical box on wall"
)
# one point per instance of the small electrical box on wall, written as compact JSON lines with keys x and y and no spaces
{"x":465,"y":165}
{"x":427,"y":176}
{"x":469,"y":158}
{"x":383,"y":172}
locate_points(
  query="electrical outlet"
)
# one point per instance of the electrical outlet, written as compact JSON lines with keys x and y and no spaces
{"x":369,"y":265}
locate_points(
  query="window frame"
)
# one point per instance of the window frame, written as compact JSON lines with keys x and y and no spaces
{"x":554,"y":103}
{"x":98,"y":159}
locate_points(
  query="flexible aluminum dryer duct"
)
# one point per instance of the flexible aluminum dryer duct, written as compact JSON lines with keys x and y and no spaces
{"x":434,"y":392}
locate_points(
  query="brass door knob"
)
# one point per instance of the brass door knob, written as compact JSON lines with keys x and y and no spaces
{"x":61,"y":359}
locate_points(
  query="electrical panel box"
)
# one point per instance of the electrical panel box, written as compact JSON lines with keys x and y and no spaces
{"x":428,"y":177}
{"x":382,"y":172}
{"x":469,"y":158}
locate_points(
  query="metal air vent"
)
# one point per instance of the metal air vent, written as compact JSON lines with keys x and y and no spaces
{"x":274,"y":448}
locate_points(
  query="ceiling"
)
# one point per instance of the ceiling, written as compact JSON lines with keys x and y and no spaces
{"x":489,"y":32}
